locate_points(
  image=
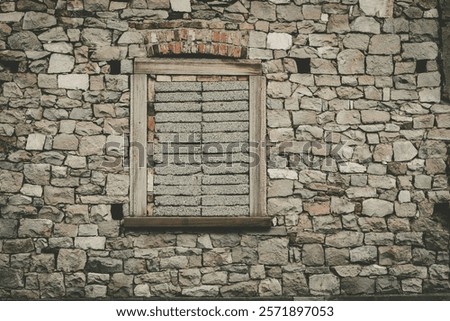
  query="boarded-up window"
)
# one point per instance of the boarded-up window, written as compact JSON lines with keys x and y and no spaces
{"x":204,"y":121}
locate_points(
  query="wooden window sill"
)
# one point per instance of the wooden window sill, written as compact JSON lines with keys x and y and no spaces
{"x":198,"y":222}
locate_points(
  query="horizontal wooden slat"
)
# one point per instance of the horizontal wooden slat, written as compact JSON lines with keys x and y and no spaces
{"x":167,"y":66}
{"x":198,"y":222}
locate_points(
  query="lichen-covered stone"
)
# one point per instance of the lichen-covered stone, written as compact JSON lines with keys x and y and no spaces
{"x":71,"y":260}
{"x":11,"y":181}
{"x":273,"y":252}
{"x":324,"y":284}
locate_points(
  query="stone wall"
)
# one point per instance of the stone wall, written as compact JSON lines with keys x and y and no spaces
{"x":358,"y":140}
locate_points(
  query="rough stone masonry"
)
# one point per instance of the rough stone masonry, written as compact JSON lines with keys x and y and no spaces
{"x":358,"y":198}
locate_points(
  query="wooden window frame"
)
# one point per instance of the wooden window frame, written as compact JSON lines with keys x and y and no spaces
{"x":138,"y":138}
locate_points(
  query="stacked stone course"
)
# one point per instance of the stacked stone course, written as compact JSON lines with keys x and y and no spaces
{"x":358,"y":149}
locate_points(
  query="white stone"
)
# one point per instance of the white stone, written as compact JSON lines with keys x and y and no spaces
{"x":277,"y":173}
{"x":117,"y":184}
{"x":60,"y":63}
{"x":142,"y":290}
{"x":282,"y":41}
{"x":31,"y":190}
{"x":404,"y":151}
{"x":379,"y":8}
{"x":94,"y":243}
{"x":377,"y":208}
{"x":6,"y":130}
{"x":75,"y":161}
{"x":59,"y":47}
{"x":404,"y":196}
{"x":131,"y":37}
{"x":181,"y":5}
{"x":35,"y":142}
{"x":11,"y":16}
{"x":349,"y":167}
{"x":74,"y":81}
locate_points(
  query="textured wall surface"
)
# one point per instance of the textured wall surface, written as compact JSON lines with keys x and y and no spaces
{"x":357,"y":165}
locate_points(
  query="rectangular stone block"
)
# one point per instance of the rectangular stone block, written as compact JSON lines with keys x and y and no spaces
{"x":225,"y":117}
{"x":225,"y":210}
{"x":224,"y":95}
{"x":420,"y":51}
{"x":224,"y":137}
{"x":177,"y":170}
{"x":73,"y":81}
{"x":225,"y":169}
{"x":93,"y":243}
{"x":225,"y":189}
{"x":177,"y":211}
{"x":174,"y":148}
{"x":55,"y":195}
{"x":180,"y":107}
{"x":224,"y":179}
{"x":35,"y":228}
{"x":191,"y":180}
{"x":163,"y":86}
{"x":178,"y":117}
{"x":225,"y":106}
{"x":178,"y":159}
{"x":178,"y":96}
{"x":231,"y":158}
{"x":177,"y":190}
{"x":177,"y":201}
{"x":179,"y":137}
{"x":225,"y":85}
{"x":225,"y":127}
{"x":178,"y":127}
{"x":229,"y":200}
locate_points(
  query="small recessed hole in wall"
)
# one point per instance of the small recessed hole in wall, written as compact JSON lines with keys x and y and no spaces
{"x":441,"y":213}
{"x":11,"y":66}
{"x":114,"y":66}
{"x":303,"y":65}
{"x":117,"y":211}
{"x":421,"y":66}
{"x":150,"y":109}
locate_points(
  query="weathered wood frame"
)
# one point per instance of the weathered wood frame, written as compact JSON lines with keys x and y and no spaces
{"x":138,"y":141}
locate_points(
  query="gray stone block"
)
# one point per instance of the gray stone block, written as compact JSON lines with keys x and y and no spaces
{"x":229,"y":200}
{"x":178,"y":128}
{"x":225,"y":148}
{"x":180,"y":107}
{"x":178,"y":117}
{"x":225,"y":211}
{"x":177,"y":170}
{"x":224,"y":179}
{"x":224,"y":137}
{"x":174,"y":148}
{"x":234,"y":158}
{"x":177,"y":200}
{"x":177,"y":211}
{"x":224,"y":95}
{"x":164,"y":86}
{"x":225,"y":127}
{"x":224,"y":117}
{"x":225,"y":85}
{"x":179,"y":137}
{"x":177,"y":190}
{"x":225,"y":190}
{"x":179,"y":159}
{"x":183,"y":96}
{"x":225,"y":169}
{"x":225,"y":106}
{"x":191,"y":180}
